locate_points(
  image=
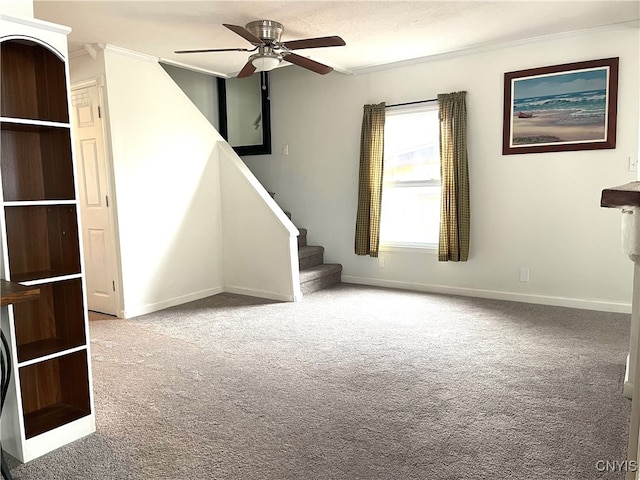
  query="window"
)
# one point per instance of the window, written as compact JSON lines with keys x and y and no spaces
{"x":410,"y":215}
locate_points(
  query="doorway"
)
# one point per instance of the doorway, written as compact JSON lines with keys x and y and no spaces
{"x":96,"y":200}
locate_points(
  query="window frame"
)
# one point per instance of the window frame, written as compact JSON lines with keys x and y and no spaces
{"x":387,"y":245}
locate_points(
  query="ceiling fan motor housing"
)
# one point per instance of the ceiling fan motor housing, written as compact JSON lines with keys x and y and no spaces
{"x":266,"y":30}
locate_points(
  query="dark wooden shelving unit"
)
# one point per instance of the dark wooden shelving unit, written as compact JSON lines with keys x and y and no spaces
{"x":40,"y":217}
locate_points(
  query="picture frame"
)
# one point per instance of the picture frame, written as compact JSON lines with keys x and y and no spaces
{"x":559,"y":108}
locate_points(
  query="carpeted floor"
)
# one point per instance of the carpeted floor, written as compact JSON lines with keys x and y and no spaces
{"x":353,"y":383}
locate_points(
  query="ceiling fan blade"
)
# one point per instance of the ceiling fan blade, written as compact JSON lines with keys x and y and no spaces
{"x":247,"y":70}
{"x":308,"y":63}
{"x":333,"y":41}
{"x":244,"y":33}
{"x":216,"y":50}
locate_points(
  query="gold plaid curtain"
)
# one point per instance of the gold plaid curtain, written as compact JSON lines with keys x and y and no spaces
{"x":454,"y":211}
{"x":370,"y":183}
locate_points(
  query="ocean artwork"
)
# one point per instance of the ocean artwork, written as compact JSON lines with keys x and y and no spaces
{"x":560,"y":108}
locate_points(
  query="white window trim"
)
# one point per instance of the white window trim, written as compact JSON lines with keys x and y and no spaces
{"x":409,"y":247}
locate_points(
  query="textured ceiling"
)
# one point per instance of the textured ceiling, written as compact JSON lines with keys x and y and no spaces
{"x":377,"y":33}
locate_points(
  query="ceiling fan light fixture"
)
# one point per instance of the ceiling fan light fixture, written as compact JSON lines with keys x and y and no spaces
{"x":265,"y":63}
{"x":265,"y":37}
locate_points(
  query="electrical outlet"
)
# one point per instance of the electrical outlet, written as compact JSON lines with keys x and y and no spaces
{"x":381,"y":262}
{"x":285,"y":149}
{"x":524,"y":275}
{"x":633,"y":163}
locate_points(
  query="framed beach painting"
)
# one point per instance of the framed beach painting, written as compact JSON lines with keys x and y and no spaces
{"x":561,"y":107}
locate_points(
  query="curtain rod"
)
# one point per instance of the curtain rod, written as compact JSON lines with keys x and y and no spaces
{"x":412,"y":103}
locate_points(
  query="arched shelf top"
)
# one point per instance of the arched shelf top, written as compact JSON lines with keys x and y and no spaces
{"x":34,"y":85}
{"x":36,"y":41}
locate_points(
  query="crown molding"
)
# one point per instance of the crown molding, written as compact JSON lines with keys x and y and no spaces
{"x":483,"y":48}
{"x":125,"y":52}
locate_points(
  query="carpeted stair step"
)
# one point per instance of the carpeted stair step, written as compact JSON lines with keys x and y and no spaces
{"x":314,"y":274}
{"x":319,"y":277}
{"x":310,"y":256}
{"x":302,"y":238}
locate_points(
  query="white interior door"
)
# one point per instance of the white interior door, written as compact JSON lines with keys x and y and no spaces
{"x":98,"y":232}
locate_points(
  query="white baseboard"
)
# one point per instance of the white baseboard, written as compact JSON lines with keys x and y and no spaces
{"x":468,"y":292}
{"x":493,"y":294}
{"x":171,"y":302}
{"x":259,"y":293}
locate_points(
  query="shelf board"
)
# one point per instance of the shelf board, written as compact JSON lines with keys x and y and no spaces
{"x":52,"y":356}
{"x":45,"y":350}
{"x":627,"y":195}
{"x":39,"y":203}
{"x":33,"y":278}
{"x":60,"y":278}
{"x":30,"y":125}
{"x":50,"y":417}
{"x":15,"y":293}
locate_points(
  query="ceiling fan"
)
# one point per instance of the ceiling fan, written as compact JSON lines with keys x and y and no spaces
{"x":265,"y":35}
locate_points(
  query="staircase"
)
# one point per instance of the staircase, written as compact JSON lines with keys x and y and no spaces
{"x":314,"y":273}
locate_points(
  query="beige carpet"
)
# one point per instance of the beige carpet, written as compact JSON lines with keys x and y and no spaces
{"x":353,"y":383}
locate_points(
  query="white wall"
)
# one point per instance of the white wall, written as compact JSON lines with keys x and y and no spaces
{"x":201,"y":88}
{"x":260,"y":242}
{"x":536,"y":211}
{"x":82,"y":67}
{"x":193,"y":221}
{"x":167,"y":185}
